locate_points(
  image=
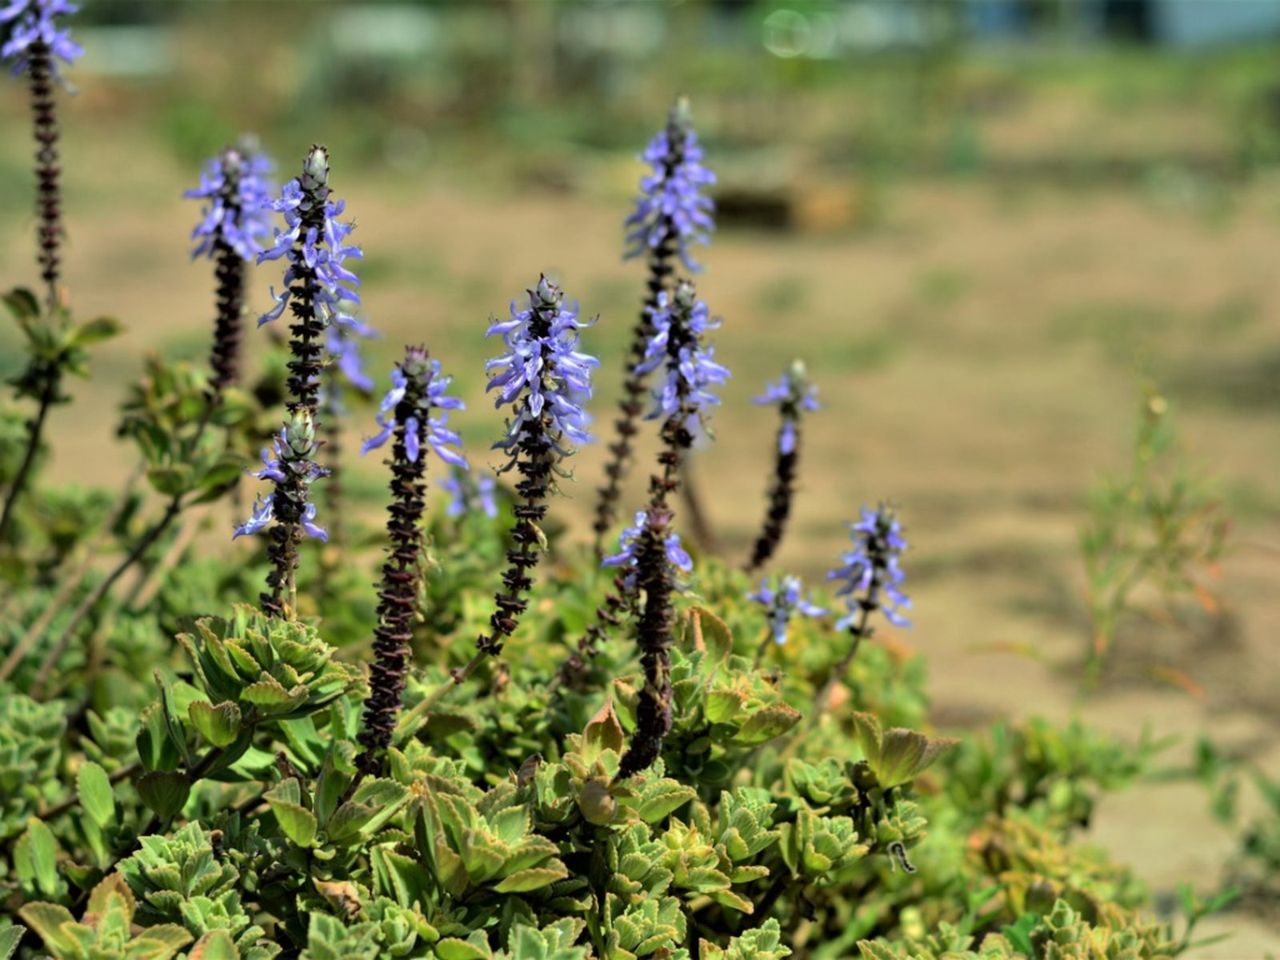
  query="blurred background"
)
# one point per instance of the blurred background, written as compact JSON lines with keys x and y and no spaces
{"x":988,"y":225}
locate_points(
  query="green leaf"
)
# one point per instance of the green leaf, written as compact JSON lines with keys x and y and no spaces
{"x":172,"y":480}
{"x":475,"y":947}
{"x":218,"y":725}
{"x":767,"y":723}
{"x":43,"y":850}
{"x":532,"y":878}
{"x":22,"y":303}
{"x":214,"y":945}
{"x":713,"y":633}
{"x":164,"y":793}
{"x":297,"y":822}
{"x":10,"y":937}
{"x":95,"y":331}
{"x":51,"y":923}
{"x":93,"y":787}
{"x":896,"y":755}
{"x":603,"y":732}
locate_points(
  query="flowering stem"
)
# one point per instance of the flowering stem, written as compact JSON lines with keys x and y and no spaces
{"x":661,"y":268}
{"x":779,"y":509}
{"x":305,"y":367}
{"x":401,"y":572}
{"x":49,"y":232}
{"x":859,"y":630}
{"x":654,"y":637}
{"x":52,"y":380}
{"x":229,"y":275}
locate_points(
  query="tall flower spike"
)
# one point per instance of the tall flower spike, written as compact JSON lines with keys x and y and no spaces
{"x":782,"y":600}
{"x":870,"y":578}
{"x":793,"y":394}
{"x":672,"y":207}
{"x":546,"y":379}
{"x":671,"y":213}
{"x":417,"y":391}
{"x":234,"y":219}
{"x":622,"y":596}
{"x":683,"y":395}
{"x":654,"y":706}
{"x":32,"y":44}
{"x":287,"y":513}
{"x":318,"y":287}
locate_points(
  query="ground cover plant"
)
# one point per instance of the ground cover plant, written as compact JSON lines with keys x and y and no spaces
{"x":503,"y":742}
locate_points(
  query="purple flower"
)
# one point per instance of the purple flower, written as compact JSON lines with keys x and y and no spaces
{"x":629,"y":541}
{"x":781,"y":602}
{"x":680,"y":324}
{"x":263,"y":514}
{"x":671,"y":205}
{"x":320,"y":250}
{"x":792,"y":393}
{"x":439,"y":436}
{"x":28,"y":22}
{"x":280,"y":457}
{"x":542,"y":372}
{"x":870,"y":575}
{"x":289,"y":464}
{"x":236,"y":187}
{"x":469,"y":492}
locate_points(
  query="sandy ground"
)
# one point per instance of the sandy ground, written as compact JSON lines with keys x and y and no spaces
{"x":978,"y":353}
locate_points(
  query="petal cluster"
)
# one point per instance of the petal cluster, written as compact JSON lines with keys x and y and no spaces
{"x":629,"y":542}
{"x":672,"y":204}
{"x":438,"y":435}
{"x":782,"y":600}
{"x":470,"y":492}
{"x":25,"y":23}
{"x":793,"y":394}
{"x":870,"y":573}
{"x":315,"y":241}
{"x":542,"y":372}
{"x":289,"y":464}
{"x":680,"y":324}
{"x":236,"y":188}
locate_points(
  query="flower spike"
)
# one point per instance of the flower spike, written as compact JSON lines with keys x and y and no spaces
{"x":547,"y":380}
{"x":793,"y":394}
{"x":32,"y":44}
{"x":671,"y":213}
{"x":870,"y":578}
{"x":234,"y":219}
{"x":417,"y":390}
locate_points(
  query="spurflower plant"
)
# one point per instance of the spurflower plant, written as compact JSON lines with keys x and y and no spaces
{"x":262,"y":782}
